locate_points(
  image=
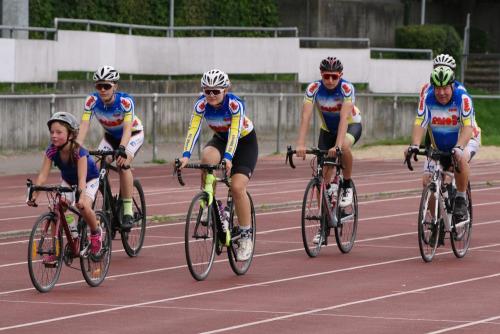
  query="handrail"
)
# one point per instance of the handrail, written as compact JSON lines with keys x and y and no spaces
{"x":337,"y":39}
{"x":400,"y":50}
{"x":169,"y":29}
{"x":24,"y":28}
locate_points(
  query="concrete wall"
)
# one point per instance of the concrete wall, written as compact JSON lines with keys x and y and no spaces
{"x":14,"y":13}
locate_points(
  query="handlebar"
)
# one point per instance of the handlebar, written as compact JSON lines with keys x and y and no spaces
{"x":104,"y":153}
{"x":57,"y":189}
{"x":433,"y":155}
{"x":208,"y":167}
{"x":317,"y":152}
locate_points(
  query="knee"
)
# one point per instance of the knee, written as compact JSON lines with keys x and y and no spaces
{"x":238,"y":189}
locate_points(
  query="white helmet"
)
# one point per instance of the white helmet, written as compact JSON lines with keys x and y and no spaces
{"x":444,"y":60}
{"x":215,"y":78}
{"x":106,"y":73}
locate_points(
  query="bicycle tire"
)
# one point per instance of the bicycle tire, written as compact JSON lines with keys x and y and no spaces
{"x":104,"y":206}
{"x":95,"y":266}
{"x":460,"y":237}
{"x":346,"y":228}
{"x":199,"y":238}
{"x":312,"y":220}
{"x":43,"y":275}
{"x":133,"y":241}
{"x":428,"y":227}
{"x":241,"y":267}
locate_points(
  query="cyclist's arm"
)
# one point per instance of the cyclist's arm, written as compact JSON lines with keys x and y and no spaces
{"x":82,"y":173}
{"x":82,"y":132}
{"x":127,"y":132}
{"x":347,"y":107}
{"x":192,"y":135}
{"x":465,"y":136}
{"x":233,"y":135}
{"x":42,"y":175}
{"x":305,"y":121}
{"x":417,"y":134}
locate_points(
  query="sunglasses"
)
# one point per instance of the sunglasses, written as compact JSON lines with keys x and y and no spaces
{"x":328,"y":76}
{"x":105,"y":86}
{"x":213,"y":92}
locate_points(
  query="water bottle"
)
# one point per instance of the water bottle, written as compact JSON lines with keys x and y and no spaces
{"x":72,"y":224}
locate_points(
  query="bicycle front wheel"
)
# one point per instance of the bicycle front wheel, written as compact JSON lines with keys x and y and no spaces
{"x":45,"y":253}
{"x":428,"y":225}
{"x":347,"y":222}
{"x":95,"y":266}
{"x":461,"y":232}
{"x":241,"y":267}
{"x":199,"y":238}
{"x":311,"y":219}
{"x":132,"y":241}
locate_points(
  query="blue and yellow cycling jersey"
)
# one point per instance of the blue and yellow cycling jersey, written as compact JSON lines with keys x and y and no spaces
{"x":112,"y":117}
{"x":328,"y":103}
{"x":444,"y":122}
{"x":228,"y":122}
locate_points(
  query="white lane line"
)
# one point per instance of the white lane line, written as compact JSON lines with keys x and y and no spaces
{"x":472,"y":323}
{"x":358,"y":302}
{"x":287,"y":279}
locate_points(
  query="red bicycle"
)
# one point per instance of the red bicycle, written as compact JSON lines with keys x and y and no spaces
{"x":45,"y":249}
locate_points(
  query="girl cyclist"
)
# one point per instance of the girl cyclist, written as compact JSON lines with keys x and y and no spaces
{"x":123,"y":130}
{"x":234,"y":141}
{"x":77,"y":168}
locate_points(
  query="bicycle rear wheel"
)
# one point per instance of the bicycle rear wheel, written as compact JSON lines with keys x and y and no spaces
{"x":311,"y":219}
{"x":428,"y":226}
{"x":241,"y":267}
{"x":199,"y":238}
{"x":461,"y":233}
{"x":132,"y":241}
{"x":45,"y":253}
{"x":347,"y":222}
{"x":95,"y":266}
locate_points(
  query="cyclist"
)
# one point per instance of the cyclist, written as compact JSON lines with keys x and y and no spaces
{"x":77,"y":168}
{"x":123,"y":130}
{"x":447,"y":114}
{"x":234,"y":141}
{"x":341,"y":127}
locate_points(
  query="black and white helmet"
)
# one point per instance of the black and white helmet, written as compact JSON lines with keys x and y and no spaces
{"x":444,"y":60}
{"x":106,"y":73}
{"x":64,"y":117}
{"x":215,"y":78}
{"x":331,"y":64}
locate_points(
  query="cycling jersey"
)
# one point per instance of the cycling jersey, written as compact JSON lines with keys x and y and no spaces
{"x":69,"y":171}
{"x":112,"y":117}
{"x":444,"y":122}
{"x":227,"y":121}
{"x":328,"y":103}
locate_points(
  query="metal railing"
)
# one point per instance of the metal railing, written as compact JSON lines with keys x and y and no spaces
{"x":360,"y":40}
{"x":11,"y":30}
{"x":399,"y":50}
{"x":170,"y":31}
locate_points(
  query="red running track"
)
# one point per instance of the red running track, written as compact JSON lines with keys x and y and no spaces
{"x":382,"y":286}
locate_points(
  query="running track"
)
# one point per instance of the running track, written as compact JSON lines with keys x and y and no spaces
{"x":382,"y":286}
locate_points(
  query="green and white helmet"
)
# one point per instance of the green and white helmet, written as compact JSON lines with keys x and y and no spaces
{"x":442,"y":76}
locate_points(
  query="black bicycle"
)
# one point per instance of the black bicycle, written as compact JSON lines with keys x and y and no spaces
{"x":112,"y":206}
{"x":206,"y":237}
{"x":320,"y":212}
{"x":435,"y":214}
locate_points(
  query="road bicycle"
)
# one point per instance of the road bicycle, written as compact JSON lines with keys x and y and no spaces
{"x":435,"y":214}
{"x":205,"y":239}
{"x":112,"y":206}
{"x":46,"y":248}
{"x":320,"y":212}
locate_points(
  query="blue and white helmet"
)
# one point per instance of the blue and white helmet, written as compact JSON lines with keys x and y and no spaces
{"x":215,"y":78}
{"x":106,"y":73}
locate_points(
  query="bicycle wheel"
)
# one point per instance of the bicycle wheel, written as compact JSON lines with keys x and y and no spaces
{"x":241,"y":267}
{"x":311,"y":219}
{"x":105,"y":207}
{"x":461,"y":233}
{"x":199,"y":238}
{"x":95,"y":266}
{"x":132,"y":241}
{"x":45,"y":253}
{"x":347,"y":222}
{"x":428,"y":225}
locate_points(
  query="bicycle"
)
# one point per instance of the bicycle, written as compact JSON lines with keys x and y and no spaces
{"x":205,"y":239}
{"x":46,"y":250}
{"x":435,"y":214}
{"x":112,"y":206}
{"x":321,"y":213}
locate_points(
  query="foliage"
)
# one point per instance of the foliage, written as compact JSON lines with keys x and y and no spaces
{"x":260,"y":13}
{"x":479,"y":42}
{"x":439,"y":38}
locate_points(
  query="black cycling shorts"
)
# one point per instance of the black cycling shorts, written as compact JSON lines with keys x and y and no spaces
{"x":245,"y":157}
{"x":327,"y":139}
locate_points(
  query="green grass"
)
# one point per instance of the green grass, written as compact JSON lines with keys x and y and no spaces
{"x":27,"y":88}
{"x":488,"y":120}
{"x":395,"y":141}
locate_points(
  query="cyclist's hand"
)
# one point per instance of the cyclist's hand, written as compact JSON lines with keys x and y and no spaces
{"x":229,"y":165}
{"x":184,"y":161}
{"x":332,"y":153}
{"x":300,"y":151}
{"x":122,"y":158}
{"x":32,"y":203}
{"x":412,"y":150}
{"x":458,"y":153}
